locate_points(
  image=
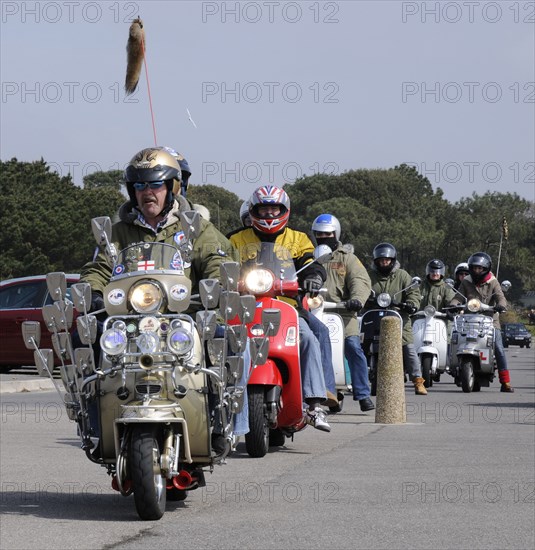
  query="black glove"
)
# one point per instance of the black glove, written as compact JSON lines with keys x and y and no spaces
{"x":97,"y":301}
{"x":499,"y":309}
{"x":353,"y":305}
{"x":312,"y":284}
{"x":450,"y":315}
{"x":409,"y":308}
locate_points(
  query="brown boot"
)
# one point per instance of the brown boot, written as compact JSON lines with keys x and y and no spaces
{"x":331,"y":401}
{"x":506,"y":387}
{"x":419,"y":388}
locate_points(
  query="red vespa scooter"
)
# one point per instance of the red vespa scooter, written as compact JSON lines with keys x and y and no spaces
{"x":274,"y":387}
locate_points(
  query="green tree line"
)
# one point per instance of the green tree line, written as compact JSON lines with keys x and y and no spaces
{"x":45,"y":218}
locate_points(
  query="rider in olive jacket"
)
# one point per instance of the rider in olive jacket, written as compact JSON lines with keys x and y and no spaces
{"x":392,"y":283}
{"x":387,"y":276}
{"x":348,"y":282}
{"x":347,"y":279}
{"x":210,"y":249}
{"x":434,"y":290}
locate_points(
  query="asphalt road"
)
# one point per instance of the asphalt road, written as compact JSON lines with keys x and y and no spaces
{"x":459,"y":474}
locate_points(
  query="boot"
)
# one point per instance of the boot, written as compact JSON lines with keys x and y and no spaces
{"x":331,"y":401}
{"x":505,"y":381}
{"x":419,"y":388}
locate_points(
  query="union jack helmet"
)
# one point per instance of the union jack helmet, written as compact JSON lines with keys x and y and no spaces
{"x":269,"y":195}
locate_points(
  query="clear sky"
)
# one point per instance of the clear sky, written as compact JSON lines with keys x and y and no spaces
{"x":278,"y":89}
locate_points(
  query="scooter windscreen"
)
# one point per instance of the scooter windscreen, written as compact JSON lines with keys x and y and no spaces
{"x":265,"y":267}
{"x":143,"y":257}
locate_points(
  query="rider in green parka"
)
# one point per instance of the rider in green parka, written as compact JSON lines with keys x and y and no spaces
{"x":153,"y":179}
{"x":387,"y":276}
{"x":434,"y":290}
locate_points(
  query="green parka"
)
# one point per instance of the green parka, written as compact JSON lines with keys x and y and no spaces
{"x":347,"y":279}
{"x":396,"y":280}
{"x":206,"y":256}
{"x":436,"y":294}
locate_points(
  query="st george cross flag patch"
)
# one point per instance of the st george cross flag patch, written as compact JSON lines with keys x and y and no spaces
{"x":146,"y":265}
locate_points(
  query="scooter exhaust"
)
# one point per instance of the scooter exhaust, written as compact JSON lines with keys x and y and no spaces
{"x":182,"y":480}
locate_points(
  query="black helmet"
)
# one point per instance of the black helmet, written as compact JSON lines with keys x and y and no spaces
{"x":384,"y":250}
{"x":184,"y":168}
{"x":483,"y":260}
{"x":435,"y":266}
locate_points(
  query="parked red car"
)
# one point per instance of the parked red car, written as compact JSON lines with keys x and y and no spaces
{"x":21,"y":300}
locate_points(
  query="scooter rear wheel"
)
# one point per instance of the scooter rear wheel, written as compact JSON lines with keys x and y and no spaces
{"x":257,"y":440}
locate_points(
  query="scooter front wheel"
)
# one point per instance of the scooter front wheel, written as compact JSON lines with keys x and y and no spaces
{"x":427,"y":361}
{"x":257,"y":440}
{"x":467,"y":376}
{"x":373,"y":374}
{"x":147,"y":482}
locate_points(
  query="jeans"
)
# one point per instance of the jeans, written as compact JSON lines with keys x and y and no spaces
{"x":411,"y":363}
{"x":312,"y":380}
{"x":321,"y":332}
{"x":358,"y":367}
{"x":499,"y":352}
{"x":241,"y":419}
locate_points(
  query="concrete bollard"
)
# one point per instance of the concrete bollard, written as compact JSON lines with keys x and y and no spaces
{"x":390,"y":403}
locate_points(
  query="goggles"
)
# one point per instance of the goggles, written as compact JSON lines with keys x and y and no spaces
{"x":141,"y":186}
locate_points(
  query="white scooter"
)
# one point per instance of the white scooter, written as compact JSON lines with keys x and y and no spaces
{"x":323,"y":310}
{"x":430,"y":333}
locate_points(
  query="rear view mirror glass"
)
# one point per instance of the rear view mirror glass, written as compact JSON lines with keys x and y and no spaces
{"x":31,"y":333}
{"x":57,"y":285}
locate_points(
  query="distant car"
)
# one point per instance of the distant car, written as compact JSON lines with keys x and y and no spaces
{"x":515,"y":334}
{"x":21,"y":300}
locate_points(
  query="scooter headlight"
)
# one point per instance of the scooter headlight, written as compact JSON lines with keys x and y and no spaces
{"x":473,"y":305}
{"x":384,"y":299}
{"x":113,"y":341}
{"x":180,"y":341}
{"x":429,"y":311}
{"x":259,"y":281}
{"x":148,"y":342}
{"x":146,"y":297}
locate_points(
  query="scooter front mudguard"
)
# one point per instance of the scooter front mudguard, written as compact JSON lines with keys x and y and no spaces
{"x":429,"y":350}
{"x":283,"y":357}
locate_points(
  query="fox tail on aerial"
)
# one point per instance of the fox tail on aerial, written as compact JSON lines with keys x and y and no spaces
{"x":135,"y":50}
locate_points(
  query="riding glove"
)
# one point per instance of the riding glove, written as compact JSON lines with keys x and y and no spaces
{"x":97,"y":301}
{"x":312,"y":284}
{"x":353,"y":305}
{"x":409,"y":308}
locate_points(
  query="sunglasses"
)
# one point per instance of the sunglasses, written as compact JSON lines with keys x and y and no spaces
{"x":141,"y":186}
